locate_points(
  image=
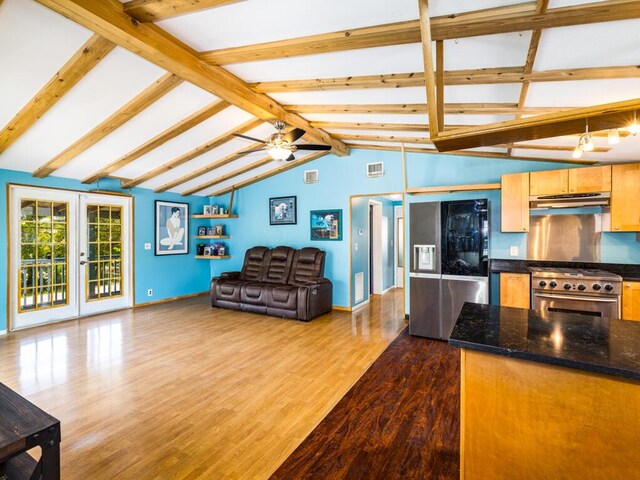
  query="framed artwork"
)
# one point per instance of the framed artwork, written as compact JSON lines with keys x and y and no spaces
{"x":206,"y":210}
{"x":218,"y":229}
{"x":172,"y":228}
{"x":282,"y":211}
{"x":202,"y":231}
{"x":209,"y":231}
{"x":326,"y":224}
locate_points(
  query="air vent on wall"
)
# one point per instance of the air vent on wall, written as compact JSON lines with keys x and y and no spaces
{"x":311,"y":176}
{"x":375,"y":169}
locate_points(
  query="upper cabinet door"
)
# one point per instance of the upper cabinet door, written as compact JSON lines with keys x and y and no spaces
{"x":515,"y":202}
{"x":550,"y":182}
{"x":625,"y":197}
{"x":590,"y":180}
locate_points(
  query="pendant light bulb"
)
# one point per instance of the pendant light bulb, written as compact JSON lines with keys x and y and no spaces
{"x":613,"y":137}
{"x":634,"y":128}
{"x":577,"y":152}
{"x":588,"y":143}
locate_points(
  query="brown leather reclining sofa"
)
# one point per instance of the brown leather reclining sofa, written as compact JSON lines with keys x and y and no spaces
{"x":283,"y":282}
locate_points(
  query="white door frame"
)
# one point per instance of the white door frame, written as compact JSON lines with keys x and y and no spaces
{"x":76,"y":230}
{"x":398,"y":270}
{"x":375,"y":250}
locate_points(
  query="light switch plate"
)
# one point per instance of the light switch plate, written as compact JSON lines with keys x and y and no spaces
{"x":513,"y":250}
{"x":355,"y":246}
{"x":147,"y":246}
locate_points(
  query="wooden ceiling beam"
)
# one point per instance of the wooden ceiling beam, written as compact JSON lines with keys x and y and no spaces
{"x":451,"y":77}
{"x":407,"y":127}
{"x":227,"y":176}
{"x":160,"y":139}
{"x":81,"y":63}
{"x":568,"y":122}
{"x":193,"y":153}
{"x":513,"y":18}
{"x":149,"y":95}
{"x":465,"y":153}
{"x":271,"y":173}
{"x":428,"y":141}
{"x":107,"y":18}
{"x":156,"y":10}
{"x":449,"y":108}
{"x":429,"y":69}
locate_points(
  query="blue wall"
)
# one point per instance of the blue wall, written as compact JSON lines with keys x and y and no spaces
{"x":360,"y":257}
{"x":341,"y":177}
{"x":168,"y":276}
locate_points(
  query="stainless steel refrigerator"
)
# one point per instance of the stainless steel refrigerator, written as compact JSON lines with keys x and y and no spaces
{"x":449,"y":259}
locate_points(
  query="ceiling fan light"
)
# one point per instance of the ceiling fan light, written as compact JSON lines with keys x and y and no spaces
{"x":613,"y":136}
{"x":577,"y":152}
{"x":279,"y":152}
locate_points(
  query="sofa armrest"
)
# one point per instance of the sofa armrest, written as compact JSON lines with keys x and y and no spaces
{"x":315,"y":298}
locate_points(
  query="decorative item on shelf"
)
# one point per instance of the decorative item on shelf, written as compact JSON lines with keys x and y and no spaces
{"x":218,"y":229}
{"x":209,"y":231}
{"x":207,"y":250}
{"x":202,"y":231}
{"x":201,"y":248}
{"x":222,"y":250}
{"x":214,"y":209}
{"x":171,"y":228}
{"x":283,"y":210}
{"x":326,"y":224}
{"x":206,"y":210}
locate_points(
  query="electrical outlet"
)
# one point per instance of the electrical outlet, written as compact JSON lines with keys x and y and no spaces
{"x":355,"y":246}
{"x":513,"y":250}
{"x":150,"y":292}
{"x":147,"y":246}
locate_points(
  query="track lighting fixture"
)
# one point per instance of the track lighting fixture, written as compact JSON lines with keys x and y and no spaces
{"x":634,"y":128}
{"x":613,"y":136}
{"x":587,"y":141}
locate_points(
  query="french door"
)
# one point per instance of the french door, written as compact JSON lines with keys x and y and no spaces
{"x":70,"y":255}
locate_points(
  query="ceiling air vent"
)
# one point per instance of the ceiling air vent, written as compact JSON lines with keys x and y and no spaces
{"x":375,"y":169}
{"x":311,"y":176}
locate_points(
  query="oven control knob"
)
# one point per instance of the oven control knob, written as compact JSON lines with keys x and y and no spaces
{"x":553,"y":284}
{"x":542,"y":283}
{"x":567,"y":286}
{"x":608,"y":287}
{"x":596,"y":286}
{"x":581,"y":287}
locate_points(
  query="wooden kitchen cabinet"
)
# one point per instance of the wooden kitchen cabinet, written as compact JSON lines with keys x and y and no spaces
{"x":515,"y":202}
{"x":515,"y":290}
{"x":631,"y":301}
{"x":549,"y":182}
{"x":590,"y":179}
{"x":625,"y":197}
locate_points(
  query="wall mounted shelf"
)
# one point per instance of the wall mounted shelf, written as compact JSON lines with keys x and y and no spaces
{"x":201,"y":215}
{"x":212,"y":257}
{"x":211,"y":237}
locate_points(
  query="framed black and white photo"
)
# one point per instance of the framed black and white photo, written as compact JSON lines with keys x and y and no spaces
{"x":171,"y":228}
{"x":282,"y":211}
{"x":326,"y":224}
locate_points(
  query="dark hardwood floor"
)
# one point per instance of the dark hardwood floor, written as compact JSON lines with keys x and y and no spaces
{"x":399,"y":421}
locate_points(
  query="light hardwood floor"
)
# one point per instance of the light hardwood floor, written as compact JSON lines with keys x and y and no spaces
{"x":181,"y":390}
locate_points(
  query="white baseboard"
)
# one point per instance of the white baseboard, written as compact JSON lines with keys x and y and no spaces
{"x":3,"y":332}
{"x":390,"y":288}
{"x":360,"y":305}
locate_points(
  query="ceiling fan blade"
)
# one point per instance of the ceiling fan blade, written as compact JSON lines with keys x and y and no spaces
{"x":290,"y":158}
{"x":293,"y":135}
{"x":309,"y":146}
{"x":249,"y":138}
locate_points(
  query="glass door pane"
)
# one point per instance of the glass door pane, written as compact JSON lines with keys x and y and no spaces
{"x":104,"y":255}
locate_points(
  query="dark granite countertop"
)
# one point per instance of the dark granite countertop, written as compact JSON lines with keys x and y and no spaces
{"x":593,"y":344}
{"x":628,"y":271}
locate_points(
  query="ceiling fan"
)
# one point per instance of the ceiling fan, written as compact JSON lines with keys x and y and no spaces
{"x":280,"y":145}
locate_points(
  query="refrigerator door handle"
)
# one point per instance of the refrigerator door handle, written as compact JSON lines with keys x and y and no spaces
{"x":465,"y":278}
{"x":424,"y":275}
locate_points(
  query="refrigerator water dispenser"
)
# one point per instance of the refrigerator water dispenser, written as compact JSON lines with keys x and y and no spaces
{"x":424,"y":257}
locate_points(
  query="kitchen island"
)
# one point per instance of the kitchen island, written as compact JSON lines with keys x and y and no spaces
{"x":554,"y":396}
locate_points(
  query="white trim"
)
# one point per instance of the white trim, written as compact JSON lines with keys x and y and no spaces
{"x":398,"y":270}
{"x":390,"y":288}
{"x":3,"y":332}
{"x":375,"y":232}
{"x":360,"y":305}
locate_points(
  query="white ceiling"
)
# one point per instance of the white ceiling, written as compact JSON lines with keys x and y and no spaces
{"x":35,"y":43}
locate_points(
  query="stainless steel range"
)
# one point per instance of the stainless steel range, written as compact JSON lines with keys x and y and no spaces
{"x":587,"y":292}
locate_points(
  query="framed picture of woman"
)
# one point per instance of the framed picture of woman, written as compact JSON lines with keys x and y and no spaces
{"x":172,"y":228}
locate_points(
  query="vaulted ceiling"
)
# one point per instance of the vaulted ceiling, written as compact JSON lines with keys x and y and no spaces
{"x":151,"y":91}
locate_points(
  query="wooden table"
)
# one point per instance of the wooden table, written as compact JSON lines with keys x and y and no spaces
{"x":24,"y":426}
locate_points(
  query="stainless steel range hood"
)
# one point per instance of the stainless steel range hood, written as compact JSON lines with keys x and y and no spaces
{"x":570,"y":200}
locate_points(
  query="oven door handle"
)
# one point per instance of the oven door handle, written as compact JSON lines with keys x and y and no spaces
{"x":577,"y":297}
